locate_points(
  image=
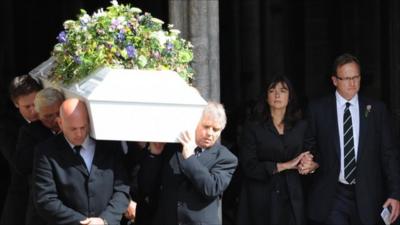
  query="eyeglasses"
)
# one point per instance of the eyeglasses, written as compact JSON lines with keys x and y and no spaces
{"x":348,"y":79}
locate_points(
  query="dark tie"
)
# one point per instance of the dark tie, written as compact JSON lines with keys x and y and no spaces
{"x":348,"y":140}
{"x":197,"y":151}
{"x":77,"y":149}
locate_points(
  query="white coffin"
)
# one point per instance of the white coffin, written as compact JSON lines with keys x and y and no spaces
{"x":134,"y":105}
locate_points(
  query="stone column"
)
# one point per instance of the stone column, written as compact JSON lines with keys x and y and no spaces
{"x":198,"y":20}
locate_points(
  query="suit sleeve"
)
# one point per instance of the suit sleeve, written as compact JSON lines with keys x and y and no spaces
{"x":8,"y":139}
{"x":390,"y":156}
{"x":45,"y":194}
{"x":311,"y":132}
{"x":24,"y":151}
{"x":120,"y":198}
{"x":211,"y":183}
{"x":251,"y":166}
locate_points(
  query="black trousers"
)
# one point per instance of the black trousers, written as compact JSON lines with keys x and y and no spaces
{"x":344,"y":210}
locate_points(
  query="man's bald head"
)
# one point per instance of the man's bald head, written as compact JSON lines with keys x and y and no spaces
{"x":72,"y":107}
{"x":74,"y":120}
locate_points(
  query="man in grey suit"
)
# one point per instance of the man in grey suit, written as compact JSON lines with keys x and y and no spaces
{"x":76,"y":179}
{"x":189,"y":178}
{"x":354,"y":147}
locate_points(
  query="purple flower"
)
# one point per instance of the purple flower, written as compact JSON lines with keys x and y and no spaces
{"x":62,"y":37}
{"x":130,"y":49}
{"x":114,"y":24}
{"x":77,"y":60}
{"x":121,"y":36}
{"x":169,"y":46}
{"x":118,"y":23}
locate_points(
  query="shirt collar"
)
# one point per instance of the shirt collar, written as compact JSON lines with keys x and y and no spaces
{"x":86,"y":143}
{"x":341,"y":102}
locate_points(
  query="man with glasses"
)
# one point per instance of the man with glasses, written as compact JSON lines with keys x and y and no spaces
{"x":355,"y":150}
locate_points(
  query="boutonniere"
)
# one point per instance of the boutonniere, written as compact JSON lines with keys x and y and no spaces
{"x":367,"y":110}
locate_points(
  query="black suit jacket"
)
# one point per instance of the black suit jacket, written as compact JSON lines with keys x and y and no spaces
{"x":261,"y":148}
{"x":145,"y":205}
{"x":29,"y":137}
{"x":189,"y":190}
{"x":377,"y":174}
{"x":65,"y":193}
{"x":17,"y":195}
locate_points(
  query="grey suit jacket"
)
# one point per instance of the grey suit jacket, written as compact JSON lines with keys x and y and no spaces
{"x":188,"y":190}
{"x":65,"y":192}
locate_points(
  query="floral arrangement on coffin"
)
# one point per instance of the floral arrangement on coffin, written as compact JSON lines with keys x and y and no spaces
{"x":118,"y":37}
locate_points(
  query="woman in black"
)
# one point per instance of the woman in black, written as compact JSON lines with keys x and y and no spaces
{"x":271,"y":151}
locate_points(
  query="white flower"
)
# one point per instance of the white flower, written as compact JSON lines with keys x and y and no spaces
{"x":158,"y":21}
{"x":160,"y":36}
{"x":68,"y":24}
{"x":99,"y":13}
{"x":85,"y":19}
{"x":114,"y":3}
{"x":135,"y":10}
{"x":175,"y":31}
{"x":367,"y":110}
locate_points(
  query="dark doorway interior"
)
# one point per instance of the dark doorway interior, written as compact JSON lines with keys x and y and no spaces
{"x":262,"y":38}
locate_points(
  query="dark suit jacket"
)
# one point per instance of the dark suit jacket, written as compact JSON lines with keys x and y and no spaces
{"x":145,"y":205}
{"x":9,"y":128}
{"x":261,"y":147}
{"x":65,"y":193}
{"x":377,"y":174}
{"x":17,"y":194}
{"x":29,"y":137}
{"x":189,"y":190}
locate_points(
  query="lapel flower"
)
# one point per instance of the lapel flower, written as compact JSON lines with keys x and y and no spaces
{"x":367,"y":110}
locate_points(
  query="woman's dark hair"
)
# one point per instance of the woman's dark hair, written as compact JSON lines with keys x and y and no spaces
{"x":261,"y":111}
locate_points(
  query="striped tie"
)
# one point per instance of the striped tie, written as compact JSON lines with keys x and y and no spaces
{"x":349,"y":155}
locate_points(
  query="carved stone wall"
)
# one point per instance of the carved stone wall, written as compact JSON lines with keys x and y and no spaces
{"x":199,"y":23}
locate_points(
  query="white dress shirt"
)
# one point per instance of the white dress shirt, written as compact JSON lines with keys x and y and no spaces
{"x":87,"y":151}
{"x":355,"y":119}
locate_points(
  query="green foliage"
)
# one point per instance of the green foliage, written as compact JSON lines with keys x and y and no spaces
{"x":119,"y":37}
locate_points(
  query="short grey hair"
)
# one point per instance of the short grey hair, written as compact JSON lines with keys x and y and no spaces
{"x":216,"y":111}
{"x":47,"y":97}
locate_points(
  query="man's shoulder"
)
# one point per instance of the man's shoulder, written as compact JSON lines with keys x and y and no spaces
{"x":321,"y":104}
{"x":224,"y":152}
{"x":321,"y":101}
{"x":51,"y":144}
{"x":107,"y":143}
{"x":371,"y":101}
{"x":110,"y":148}
{"x":35,"y":127}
